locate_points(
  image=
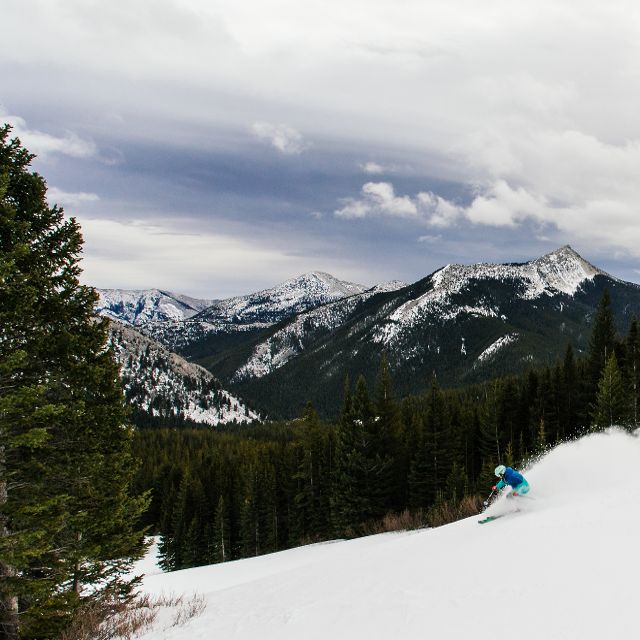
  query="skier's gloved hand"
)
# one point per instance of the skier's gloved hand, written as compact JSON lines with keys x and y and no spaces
{"x":493,"y":488}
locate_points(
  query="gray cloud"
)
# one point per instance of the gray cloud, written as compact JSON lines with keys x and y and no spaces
{"x":534,"y":123}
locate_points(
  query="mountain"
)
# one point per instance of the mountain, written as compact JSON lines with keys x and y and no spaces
{"x":282,"y":301}
{"x":166,"y":386}
{"x":299,"y":340}
{"x":225,"y":323}
{"x":547,"y":571}
{"x":141,"y":307}
{"x":465,"y":323}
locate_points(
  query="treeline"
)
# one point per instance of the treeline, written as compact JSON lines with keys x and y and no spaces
{"x":219,"y":496}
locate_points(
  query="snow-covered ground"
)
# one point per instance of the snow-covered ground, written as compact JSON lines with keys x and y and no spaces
{"x":565,"y":566}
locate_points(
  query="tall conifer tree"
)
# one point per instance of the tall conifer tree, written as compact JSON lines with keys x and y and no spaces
{"x":633,"y":372}
{"x":612,"y":406}
{"x":67,"y":519}
{"x":602,"y":342}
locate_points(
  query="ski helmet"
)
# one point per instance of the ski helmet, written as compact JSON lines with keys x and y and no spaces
{"x":500,"y":469}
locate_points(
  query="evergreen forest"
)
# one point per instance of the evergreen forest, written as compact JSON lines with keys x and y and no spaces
{"x":384,"y":463}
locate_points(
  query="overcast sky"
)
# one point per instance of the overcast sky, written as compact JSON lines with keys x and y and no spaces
{"x":218,"y":147}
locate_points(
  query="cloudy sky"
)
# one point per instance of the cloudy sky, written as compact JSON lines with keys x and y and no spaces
{"x":215,"y":147}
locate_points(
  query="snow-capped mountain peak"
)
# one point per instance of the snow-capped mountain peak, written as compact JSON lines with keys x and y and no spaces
{"x":141,"y":306}
{"x":559,"y":272}
{"x":288,"y":298}
{"x":565,"y":270}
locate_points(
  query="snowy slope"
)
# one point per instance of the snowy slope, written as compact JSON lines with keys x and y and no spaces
{"x":139,"y":307}
{"x":565,"y":567}
{"x":165,"y":385}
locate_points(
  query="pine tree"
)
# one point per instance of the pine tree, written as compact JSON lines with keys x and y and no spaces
{"x":632,"y":372}
{"x":602,"y":341}
{"x":221,"y":543}
{"x":66,"y":515}
{"x":569,"y":395}
{"x":541,"y":437}
{"x":359,"y":491}
{"x":313,"y":491}
{"x":611,"y":406}
{"x":430,"y":467}
{"x":386,"y":442}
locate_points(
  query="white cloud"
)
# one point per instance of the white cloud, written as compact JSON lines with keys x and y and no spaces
{"x":70,"y":199}
{"x":430,"y":239}
{"x":44,"y":144}
{"x":440,"y":212}
{"x":282,"y":137}
{"x":378,"y":198}
{"x":372,"y":168}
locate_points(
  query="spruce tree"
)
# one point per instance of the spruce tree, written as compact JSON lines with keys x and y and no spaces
{"x":632,"y":372}
{"x":611,"y":407}
{"x":386,"y":442}
{"x":602,"y":341}
{"x":313,"y":490}
{"x":67,"y":518}
{"x":221,"y":543}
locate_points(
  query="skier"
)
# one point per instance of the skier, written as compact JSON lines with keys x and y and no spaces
{"x":510,"y":477}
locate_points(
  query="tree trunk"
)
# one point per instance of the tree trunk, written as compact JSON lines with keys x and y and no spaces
{"x":8,"y":600}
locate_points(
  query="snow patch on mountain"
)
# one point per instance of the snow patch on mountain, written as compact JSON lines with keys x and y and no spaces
{"x":165,"y":385}
{"x":493,"y":348}
{"x":177,"y":328}
{"x":386,"y":287}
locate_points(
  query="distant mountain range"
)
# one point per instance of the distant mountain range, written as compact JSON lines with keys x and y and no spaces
{"x":298,"y":341}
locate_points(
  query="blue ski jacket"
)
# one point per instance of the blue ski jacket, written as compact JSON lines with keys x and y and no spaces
{"x":511,"y":477}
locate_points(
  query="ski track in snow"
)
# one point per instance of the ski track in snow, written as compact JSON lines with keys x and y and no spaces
{"x":565,"y":567}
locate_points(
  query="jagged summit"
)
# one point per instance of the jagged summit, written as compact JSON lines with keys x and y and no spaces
{"x":304,"y":292}
{"x":562,"y":271}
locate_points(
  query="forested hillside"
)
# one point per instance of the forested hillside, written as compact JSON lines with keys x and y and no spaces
{"x":384,"y":462}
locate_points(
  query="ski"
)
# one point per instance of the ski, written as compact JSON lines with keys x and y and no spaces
{"x":491,"y":518}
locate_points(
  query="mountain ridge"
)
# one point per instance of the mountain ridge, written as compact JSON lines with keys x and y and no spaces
{"x":463,"y":322}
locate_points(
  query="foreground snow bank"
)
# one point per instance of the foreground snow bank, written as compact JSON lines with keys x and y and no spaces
{"x":565,"y":566}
